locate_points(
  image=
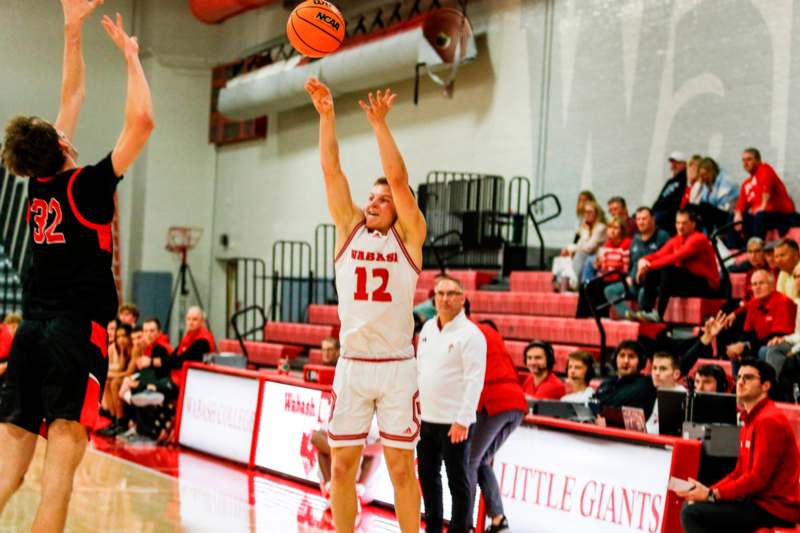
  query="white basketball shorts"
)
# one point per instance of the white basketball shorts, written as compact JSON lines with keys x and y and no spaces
{"x":388,"y":389}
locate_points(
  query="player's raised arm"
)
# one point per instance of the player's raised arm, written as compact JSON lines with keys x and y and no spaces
{"x":139,"y":121}
{"x":344,"y":212}
{"x":73,"y":87}
{"x":410,"y":218}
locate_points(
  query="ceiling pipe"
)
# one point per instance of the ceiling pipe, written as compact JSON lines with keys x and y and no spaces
{"x":216,"y":11}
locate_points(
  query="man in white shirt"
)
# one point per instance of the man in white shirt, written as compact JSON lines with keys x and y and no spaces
{"x":451,"y":363}
{"x":665,"y":372}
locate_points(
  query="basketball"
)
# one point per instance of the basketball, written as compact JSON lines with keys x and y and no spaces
{"x":315,"y":28}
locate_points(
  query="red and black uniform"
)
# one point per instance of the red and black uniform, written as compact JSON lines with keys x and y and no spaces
{"x":57,"y":365}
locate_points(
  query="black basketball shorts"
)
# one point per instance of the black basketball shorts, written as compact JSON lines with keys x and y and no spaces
{"x":56,"y":369}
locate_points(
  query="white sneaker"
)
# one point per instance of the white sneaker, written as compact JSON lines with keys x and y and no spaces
{"x":363,"y":494}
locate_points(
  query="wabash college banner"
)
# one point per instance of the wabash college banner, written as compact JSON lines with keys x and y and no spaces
{"x":559,"y":481}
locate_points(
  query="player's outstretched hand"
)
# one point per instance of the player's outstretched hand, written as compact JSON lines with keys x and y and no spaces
{"x":320,"y":95}
{"x":129,"y":46}
{"x":76,"y":11}
{"x":379,"y":105}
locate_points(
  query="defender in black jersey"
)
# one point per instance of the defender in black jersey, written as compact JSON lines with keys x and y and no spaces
{"x":58,"y":361}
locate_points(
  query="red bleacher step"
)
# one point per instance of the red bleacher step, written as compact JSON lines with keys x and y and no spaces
{"x":536,"y":281}
{"x":261,"y":353}
{"x":323,"y":314}
{"x":524,"y":303}
{"x":470,"y":279}
{"x":691,"y":310}
{"x":294,"y":333}
{"x":580,"y":331}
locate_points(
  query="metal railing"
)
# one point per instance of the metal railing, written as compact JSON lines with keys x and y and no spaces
{"x":258,"y":327}
{"x":438,"y":249}
{"x":518,"y":202}
{"x":613,"y":276}
{"x":725,"y":287}
{"x":246,"y":279}
{"x":538,"y":205}
{"x":324,"y":252}
{"x":292,"y":280}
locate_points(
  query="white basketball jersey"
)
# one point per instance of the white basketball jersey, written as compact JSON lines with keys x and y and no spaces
{"x":375,"y":280}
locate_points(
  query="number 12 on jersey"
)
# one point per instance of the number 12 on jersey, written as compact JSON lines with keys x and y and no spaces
{"x":378,"y":295}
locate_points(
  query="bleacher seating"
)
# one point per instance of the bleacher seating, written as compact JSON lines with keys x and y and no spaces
{"x":323,"y":314}
{"x":580,"y":331}
{"x":692,"y":310}
{"x":261,"y":353}
{"x":531,"y":282}
{"x":738,"y":285}
{"x":470,"y":279}
{"x":531,"y":303}
{"x":302,"y":334}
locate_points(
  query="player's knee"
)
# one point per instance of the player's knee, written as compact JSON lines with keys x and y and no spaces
{"x":401,"y":468}
{"x":344,"y":467}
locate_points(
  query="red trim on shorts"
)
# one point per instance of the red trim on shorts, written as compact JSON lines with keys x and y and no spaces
{"x":341,"y":437}
{"x":381,"y":360}
{"x":103,"y":230}
{"x":47,"y":179}
{"x":91,"y":403}
{"x":347,"y":437}
{"x":350,"y":238}
{"x":415,"y":410}
{"x":405,"y":251}
{"x":99,"y":338}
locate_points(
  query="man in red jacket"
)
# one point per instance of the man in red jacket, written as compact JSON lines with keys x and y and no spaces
{"x":684,"y":266}
{"x":764,"y":203}
{"x":763,"y":491}
{"x":500,"y":411}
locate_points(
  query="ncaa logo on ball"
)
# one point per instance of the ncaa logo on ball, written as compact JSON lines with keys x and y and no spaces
{"x":327,"y":19}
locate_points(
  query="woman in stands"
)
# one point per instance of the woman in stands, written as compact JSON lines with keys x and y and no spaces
{"x":591,"y":234}
{"x":121,"y":364}
{"x":613,"y":255}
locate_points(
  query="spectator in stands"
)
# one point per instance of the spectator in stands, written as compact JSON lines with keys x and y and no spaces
{"x":685,"y":266}
{"x":613,"y":255}
{"x":764,"y":204}
{"x":629,"y":387}
{"x":156,"y":343}
{"x":137,"y":338}
{"x":451,"y":366}
{"x":7,"y":332}
{"x":768,"y":314}
{"x":580,"y":372}
{"x":694,"y":187}
{"x":329,"y":350}
{"x":701,"y":348}
{"x":542,"y":384}
{"x":763,"y":491}
{"x":591,"y":234}
{"x":718,"y":196}
{"x":584,"y":197}
{"x":665,"y":373}
{"x":783,"y":349}
{"x":196,"y":342}
{"x":501,"y":407}
{"x":756,"y":258}
{"x":128,"y":314}
{"x":648,"y":240}
{"x":618,"y":208}
{"x":787,"y":257}
{"x":111,"y":331}
{"x":671,"y":195}
{"x":710,"y":378}
{"x":120,"y":365}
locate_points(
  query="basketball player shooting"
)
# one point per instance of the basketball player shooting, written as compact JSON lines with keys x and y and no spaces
{"x":379,"y":253}
{"x":57,"y":366}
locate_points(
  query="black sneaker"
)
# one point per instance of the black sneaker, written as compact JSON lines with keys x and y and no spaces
{"x":499,"y":528}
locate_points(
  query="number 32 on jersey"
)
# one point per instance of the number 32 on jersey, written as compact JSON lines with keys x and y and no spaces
{"x":43,"y":232}
{"x":378,"y":295}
